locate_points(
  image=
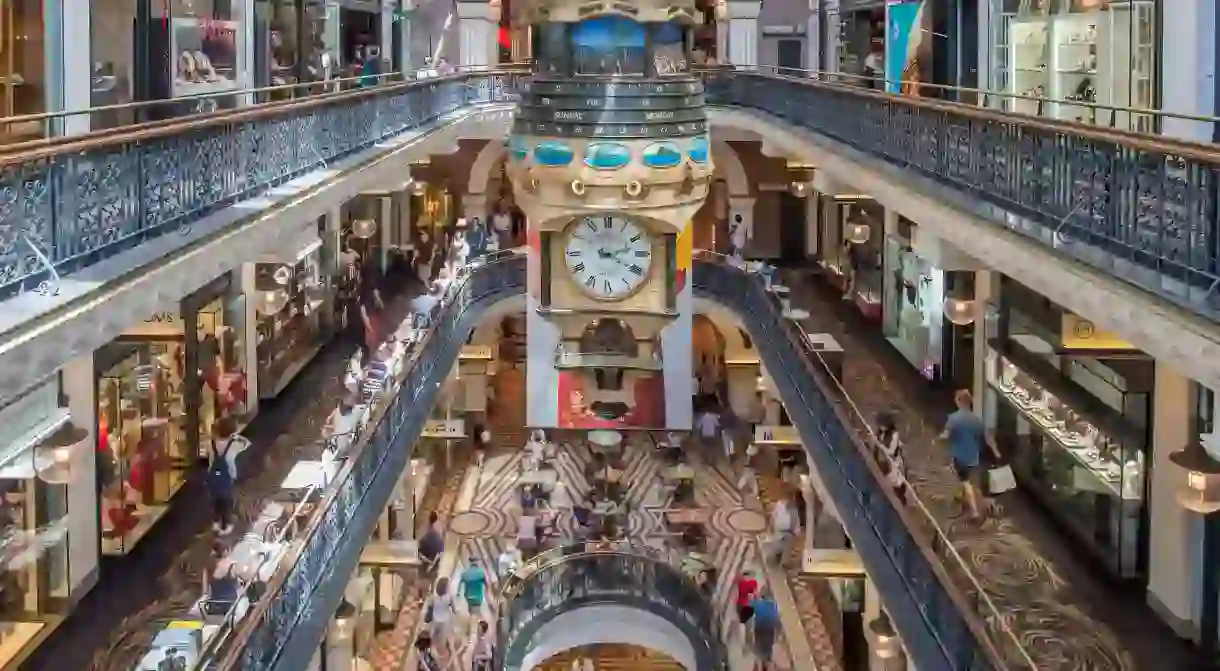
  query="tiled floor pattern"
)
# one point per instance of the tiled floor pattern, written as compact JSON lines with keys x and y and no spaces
{"x":1062,"y":625}
{"x":497,"y":506}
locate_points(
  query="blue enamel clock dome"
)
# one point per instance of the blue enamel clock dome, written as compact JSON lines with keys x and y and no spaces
{"x":607,"y":155}
{"x":552,"y":153}
{"x":699,"y":149}
{"x":517,"y":148}
{"x":662,"y":155}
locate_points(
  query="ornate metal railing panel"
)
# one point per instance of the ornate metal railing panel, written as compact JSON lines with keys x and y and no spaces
{"x":1141,"y":209}
{"x":921,"y":602}
{"x":286,"y":624}
{"x":583,"y":575}
{"x":73,"y":203}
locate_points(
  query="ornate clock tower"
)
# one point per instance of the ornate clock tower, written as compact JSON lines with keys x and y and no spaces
{"x":609,"y":158}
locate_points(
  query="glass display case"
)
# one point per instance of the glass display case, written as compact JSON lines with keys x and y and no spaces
{"x":289,"y":339}
{"x":1079,"y":51}
{"x":143,"y":450}
{"x":1086,"y":468}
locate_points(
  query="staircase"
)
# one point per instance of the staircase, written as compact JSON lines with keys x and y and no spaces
{"x":611,"y":657}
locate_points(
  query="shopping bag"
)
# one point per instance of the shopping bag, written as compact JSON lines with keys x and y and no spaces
{"x":1000,"y":480}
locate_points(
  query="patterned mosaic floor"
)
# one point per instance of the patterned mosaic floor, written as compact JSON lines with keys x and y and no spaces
{"x":732,"y":530}
{"x":1076,"y":623}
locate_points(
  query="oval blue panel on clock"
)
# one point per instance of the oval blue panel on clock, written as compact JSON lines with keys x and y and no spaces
{"x":662,"y":155}
{"x":699,"y":149}
{"x":517,"y":148}
{"x":554,"y":154}
{"x":607,"y":155}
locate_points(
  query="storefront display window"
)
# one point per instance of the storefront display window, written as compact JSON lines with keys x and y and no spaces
{"x":22,"y":68}
{"x":1089,"y":474}
{"x":285,"y":43}
{"x":914,"y":296}
{"x":289,"y":337}
{"x":1089,"y":51}
{"x":143,"y":450}
{"x":220,"y":357}
{"x":34,"y":478}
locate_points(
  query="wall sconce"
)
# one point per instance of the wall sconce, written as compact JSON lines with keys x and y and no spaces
{"x":858,"y":233}
{"x":1202,"y":491}
{"x":364,"y":228}
{"x":799,"y":189}
{"x":270,"y":296}
{"x":53,"y":456}
{"x":885,"y":640}
{"x":960,"y":311}
{"x":418,"y":188}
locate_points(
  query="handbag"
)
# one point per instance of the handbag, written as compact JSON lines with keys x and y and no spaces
{"x":1000,"y":480}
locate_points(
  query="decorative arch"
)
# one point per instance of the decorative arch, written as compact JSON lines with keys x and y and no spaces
{"x":724,"y":156}
{"x":480,"y":171}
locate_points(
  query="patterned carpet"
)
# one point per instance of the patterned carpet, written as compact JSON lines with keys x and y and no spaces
{"x":1078,"y":623}
{"x":114,"y":625}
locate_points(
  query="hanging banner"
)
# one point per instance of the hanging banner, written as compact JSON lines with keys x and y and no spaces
{"x":904,"y":44}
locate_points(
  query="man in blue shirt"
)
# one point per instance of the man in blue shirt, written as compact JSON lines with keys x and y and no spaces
{"x":965,"y":433}
{"x":766,"y":623}
{"x":474,"y":583}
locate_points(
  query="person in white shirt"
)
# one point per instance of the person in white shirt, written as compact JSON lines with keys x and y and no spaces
{"x":443,"y":612}
{"x":508,"y":561}
{"x":783,"y":526}
{"x":502,"y":224}
{"x":709,"y":425}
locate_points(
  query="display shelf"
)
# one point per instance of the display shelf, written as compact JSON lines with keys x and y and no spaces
{"x":1117,"y":468}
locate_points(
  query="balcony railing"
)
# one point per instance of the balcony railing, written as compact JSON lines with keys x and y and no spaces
{"x":67,"y":204}
{"x":1143,"y":209}
{"x":587,"y":574}
{"x":283,"y":628}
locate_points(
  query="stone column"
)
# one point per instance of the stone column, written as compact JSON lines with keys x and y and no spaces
{"x":743,"y":32}
{"x":402,"y":23}
{"x":812,"y":222}
{"x":477,"y":23}
{"x":1175,"y":545}
{"x":986,"y":290}
{"x":69,"y":71}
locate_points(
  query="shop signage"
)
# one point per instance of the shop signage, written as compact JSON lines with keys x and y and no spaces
{"x":776,"y":435}
{"x":162,"y":318}
{"x":784,"y":30}
{"x":1080,"y":333}
{"x":448,"y":429}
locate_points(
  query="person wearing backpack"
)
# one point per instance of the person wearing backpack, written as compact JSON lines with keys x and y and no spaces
{"x":222,"y":473}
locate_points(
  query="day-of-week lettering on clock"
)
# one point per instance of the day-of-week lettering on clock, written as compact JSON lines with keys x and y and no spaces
{"x":569,"y":116}
{"x":658,"y":116}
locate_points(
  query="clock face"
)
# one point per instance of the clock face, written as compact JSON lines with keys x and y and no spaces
{"x":609,"y":256}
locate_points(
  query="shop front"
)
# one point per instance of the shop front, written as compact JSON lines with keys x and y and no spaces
{"x":857,"y":35}
{"x":851,"y":234}
{"x":918,"y":278}
{"x":38,"y":441}
{"x":1070,"y":406}
{"x":292,"y":300}
{"x":146,"y":50}
{"x":291,"y":46}
{"x":1057,"y":53}
{"x":23,"y":77}
{"x":161,"y":387}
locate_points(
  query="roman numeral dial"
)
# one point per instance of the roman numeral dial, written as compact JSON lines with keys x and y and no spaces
{"x":608,"y":256}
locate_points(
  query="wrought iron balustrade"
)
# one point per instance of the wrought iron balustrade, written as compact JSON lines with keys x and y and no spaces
{"x":939,"y":626}
{"x":300,"y":599}
{"x":70,"y":203}
{"x":586,"y":574}
{"x":1140,"y":208}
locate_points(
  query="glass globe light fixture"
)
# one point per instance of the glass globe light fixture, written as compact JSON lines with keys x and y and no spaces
{"x":53,"y":456}
{"x":270,"y":301}
{"x":858,"y":233}
{"x":419,"y":188}
{"x":799,"y":189}
{"x":281,"y":275}
{"x":960,"y":311}
{"x":364,"y":228}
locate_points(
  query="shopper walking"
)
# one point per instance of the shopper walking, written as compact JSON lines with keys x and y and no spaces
{"x":443,"y":614}
{"x":222,"y":472}
{"x":766,"y":624}
{"x":965,"y":433}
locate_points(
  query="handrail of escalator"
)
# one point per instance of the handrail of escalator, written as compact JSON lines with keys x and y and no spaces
{"x":225,"y":648}
{"x":19,"y":152}
{"x":1204,"y":152}
{"x":984,"y":616}
{"x":981,"y":97}
{"x":594,"y":573}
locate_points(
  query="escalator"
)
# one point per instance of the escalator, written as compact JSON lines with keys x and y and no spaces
{"x":611,"y":596}
{"x":938,"y":626}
